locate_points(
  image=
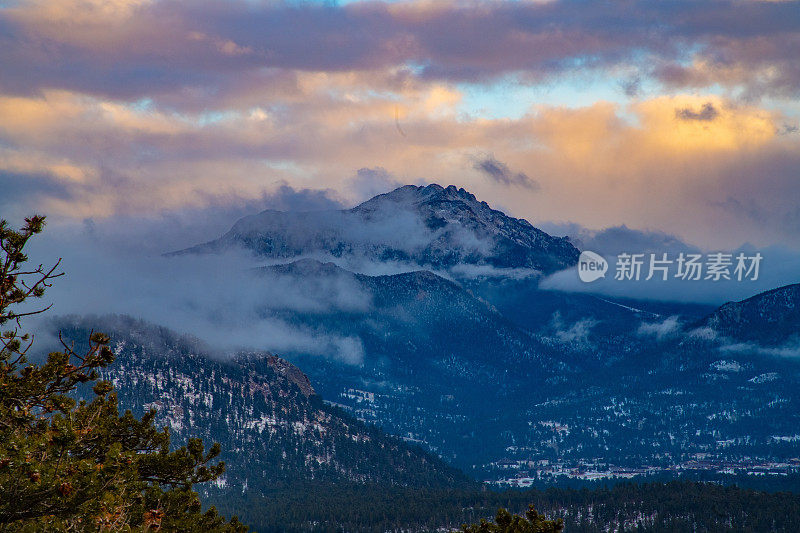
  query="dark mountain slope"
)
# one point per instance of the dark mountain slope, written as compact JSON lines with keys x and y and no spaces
{"x":768,"y":318}
{"x":438,"y":361}
{"x":274,"y":429}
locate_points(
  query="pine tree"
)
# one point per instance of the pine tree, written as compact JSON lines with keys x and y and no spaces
{"x":505,"y":522}
{"x":81,"y":466}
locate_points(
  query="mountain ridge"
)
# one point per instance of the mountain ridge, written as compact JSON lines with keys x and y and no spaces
{"x":431,"y":226}
{"x":771,"y":317}
{"x":274,"y":428}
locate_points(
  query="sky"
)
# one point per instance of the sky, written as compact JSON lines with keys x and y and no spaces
{"x":145,"y":126}
{"x":679,"y":117}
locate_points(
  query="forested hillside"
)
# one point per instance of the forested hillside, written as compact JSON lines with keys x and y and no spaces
{"x":275,"y":431}
{"x":653,"y":508}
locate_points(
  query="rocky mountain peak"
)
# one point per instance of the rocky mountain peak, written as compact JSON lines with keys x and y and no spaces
{"x":413,"y":196}
{"x":443,"y":228}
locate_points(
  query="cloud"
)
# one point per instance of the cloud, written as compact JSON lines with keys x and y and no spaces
{"x":766,"y":215}
{"x":600,"y":165}
{"x":704,"y":333}
{"x":162,"y":231}
{"x":118,"y":159}
{"x":286,"y":198}
{"x":233,"y":104}
{"x":499,"y":172}
{"x":660,"y":330}
{"x":33,"y":187}
{"x":707,"y":113}
{"x":115,"y":266}
{"x":576,"y":335}
{"x":779,"y":266}
{"x":401,"y":226}
{"x":369,"y":182}
{"x":129,"y":48}
{"x":790,"y":349}
{"x":619,"y":239}
{"x":632,"y":87}
{"x":160,"y":122}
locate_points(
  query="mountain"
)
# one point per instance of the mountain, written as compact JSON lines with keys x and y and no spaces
{"x":433,"y":227}
{"x":295,"y":462}
{"x":419,"y":315}
{"x":524,"y":382}
{"x":463,"y":352}
{"x":274,"y":429}
{"x":437,"y":360}
{"x":769,"y":318}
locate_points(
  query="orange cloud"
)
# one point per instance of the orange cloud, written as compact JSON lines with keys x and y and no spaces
{"x":600,"y":165}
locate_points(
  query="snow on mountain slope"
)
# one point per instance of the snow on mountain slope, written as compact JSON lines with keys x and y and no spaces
{"x":432,"y":227}
{"x":273,"y":427}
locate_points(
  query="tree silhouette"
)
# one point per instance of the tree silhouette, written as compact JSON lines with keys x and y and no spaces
{"x":505,"y":522}
{"x":81,"y":466}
